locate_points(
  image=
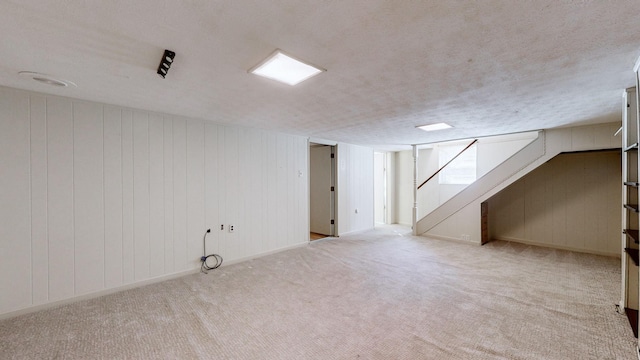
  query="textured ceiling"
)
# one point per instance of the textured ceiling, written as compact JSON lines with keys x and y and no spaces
{"x":485,"y":67}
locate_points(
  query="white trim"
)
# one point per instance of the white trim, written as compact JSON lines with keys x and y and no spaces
{"x":323,"y":141}
{"x":354,"y":232}
{"x":93,"y":295}
{"x":447,"y":238}
{"x":559,"y":247}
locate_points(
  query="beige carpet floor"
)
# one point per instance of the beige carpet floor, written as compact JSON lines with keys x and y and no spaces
{"x":382,"y":294}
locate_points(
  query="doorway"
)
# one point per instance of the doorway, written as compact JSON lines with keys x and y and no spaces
{"x":322,"y":183}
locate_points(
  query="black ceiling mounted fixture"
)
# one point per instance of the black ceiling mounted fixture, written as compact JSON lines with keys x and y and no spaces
{"x":165,"y":63}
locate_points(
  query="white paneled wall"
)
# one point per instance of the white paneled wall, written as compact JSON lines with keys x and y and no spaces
{"x":571,"y":202}
{"x":96,"y":197}
{"x":355,"y":188}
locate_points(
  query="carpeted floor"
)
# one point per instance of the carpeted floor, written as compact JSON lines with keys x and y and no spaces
{"x":377,"y":295}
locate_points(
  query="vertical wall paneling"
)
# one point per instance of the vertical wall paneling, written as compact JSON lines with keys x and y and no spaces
{"x":303,"y":188}
{"x":244,"y":175}
{"x":15,"y":197}
{"x":113,"y":195}
{"x":88,"y":197}
{"x":271,"y":200}
{"x":156,"y":196}
{"x":291,"y":186}
{"x":253,"y":206}
{"x":569,"y":202}
{"x":232,"y":188}
{"x":355,"y":188}
{"x":96,"y":196}
{"x":141,"y":194}
{"x":223,"y":223}
{"x":281,"y":186}
{"x":167,"y":167}
{"x":195,"y":191}
{"x":558,"y":198}
{"x":60,"y":198}
{"x":212,"y":187}
{"x":39,"y":241}
{"x":263,"y":196}
{"x":179,"y":194}
{"x":575,"y":203}
{"x":128,"y":252}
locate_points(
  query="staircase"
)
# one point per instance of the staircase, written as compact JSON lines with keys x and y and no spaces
{"x":459,"y":218}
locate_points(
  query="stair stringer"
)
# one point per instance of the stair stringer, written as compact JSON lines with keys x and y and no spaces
{"x":459,"y":218}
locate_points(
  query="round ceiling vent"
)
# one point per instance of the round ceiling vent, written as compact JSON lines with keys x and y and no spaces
{"x":47,"y":79}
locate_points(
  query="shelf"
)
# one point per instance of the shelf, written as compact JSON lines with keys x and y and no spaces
{"x":632,"y":147}
{"x":633,"y":234}
{"x":632,"y":207}
{"x":633,"y":254}
{"x":632,"y":315}
{"x":631,"y":183}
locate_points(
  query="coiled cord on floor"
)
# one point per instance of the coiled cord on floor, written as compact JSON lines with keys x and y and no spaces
{"x":204,"y":267}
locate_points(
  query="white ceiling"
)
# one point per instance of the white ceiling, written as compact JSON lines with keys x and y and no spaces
{"x":485,"y":67}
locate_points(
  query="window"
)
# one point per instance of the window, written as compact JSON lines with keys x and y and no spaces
{"x":462,"y":170}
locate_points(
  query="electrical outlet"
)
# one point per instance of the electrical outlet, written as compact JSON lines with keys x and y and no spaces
{"x":222,"y":227}
{"x":231,"y":229}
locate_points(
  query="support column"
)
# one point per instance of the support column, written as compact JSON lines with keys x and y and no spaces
{"x":415,"y":191}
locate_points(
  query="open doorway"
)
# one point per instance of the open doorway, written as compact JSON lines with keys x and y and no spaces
{"x":322,"y":182}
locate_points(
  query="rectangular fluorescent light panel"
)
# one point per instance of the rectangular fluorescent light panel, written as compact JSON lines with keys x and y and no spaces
{"x":434,"y":127}
{"x":286,"y":69}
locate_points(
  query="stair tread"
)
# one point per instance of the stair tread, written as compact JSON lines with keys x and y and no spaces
{"x":632,"y":207}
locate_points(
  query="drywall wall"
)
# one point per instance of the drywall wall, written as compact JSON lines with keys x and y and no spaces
{"x":403,"y":190}
{"x":355,"y":188}
{"x":97,"y":197}
{"x":461,"y":214}
{"x":491,"y":151}
{"x":320,"y":189}
{"x":571,"y":202}
{"x":379,"y":186}
{"x":390,"y":174}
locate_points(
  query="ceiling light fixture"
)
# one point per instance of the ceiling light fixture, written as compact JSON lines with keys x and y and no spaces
{"x":165,"y":63}
{"x":434,"y":127}
{"x":286,"y":69}
{"x":47,"y":79}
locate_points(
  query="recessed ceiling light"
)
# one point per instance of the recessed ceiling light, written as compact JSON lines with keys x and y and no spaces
{"x":434,"y":127}
{"x":281,"y":67}
{"x":47,"y":79}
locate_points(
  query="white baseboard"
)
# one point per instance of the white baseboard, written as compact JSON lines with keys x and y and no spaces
{"x":354,"y":232}
{"x":447,"y":238}
{"x":266,"y":253}
{"x":559,"y":247}
{"x":96,"y":294}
